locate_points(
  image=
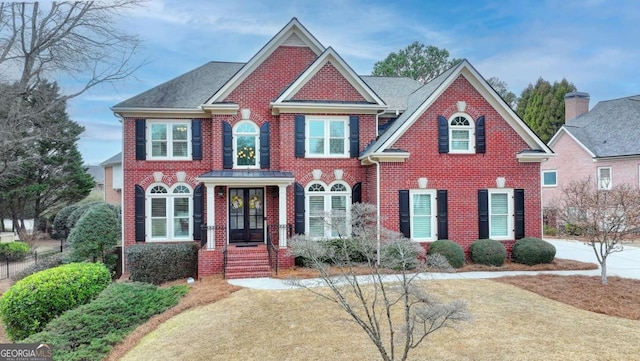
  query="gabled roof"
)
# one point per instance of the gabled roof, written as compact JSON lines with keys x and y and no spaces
{"x":421,"y":99}
{"x":372,"y":100}
{"x":395,"y":91}
{"x":293,"y":34}
{"x":187,"y":91}
{"x":610,"y":129}
{"x":116,"y":159}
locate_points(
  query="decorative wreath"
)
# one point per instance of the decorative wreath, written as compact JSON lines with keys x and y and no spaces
{"x":254,"y":202}
{"x":236,"y":202}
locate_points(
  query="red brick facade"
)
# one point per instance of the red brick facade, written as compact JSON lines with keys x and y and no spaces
{"x":460,"y":174}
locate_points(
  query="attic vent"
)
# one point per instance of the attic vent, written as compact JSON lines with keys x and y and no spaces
{"x":294,"y":40}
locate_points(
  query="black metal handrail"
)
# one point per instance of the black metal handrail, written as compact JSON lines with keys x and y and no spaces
{"x":224,"y":262}
{"x":272,"y":251}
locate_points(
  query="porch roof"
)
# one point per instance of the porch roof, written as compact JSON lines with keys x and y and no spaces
{"x":249,"y":177}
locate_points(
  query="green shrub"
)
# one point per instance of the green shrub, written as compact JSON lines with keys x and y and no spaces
{"x":450,"y":250}
{"x":550,"y":231}
{"x":37,"y":299}
{"x":96,"y":235}
{"x":89,"y":332}
{"x":488,"y":252}
{"x":158,"y":263}
{"x":532,"y":251}
{"x":349,"y":250}
{"x":60,"y":221}
{"x":44,"y":262}
{"x":75,"y":216}
{"x":401,"y":254}
{"x":14,"y":251}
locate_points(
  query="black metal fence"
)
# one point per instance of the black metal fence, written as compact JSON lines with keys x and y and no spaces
{"x":10,"y":268}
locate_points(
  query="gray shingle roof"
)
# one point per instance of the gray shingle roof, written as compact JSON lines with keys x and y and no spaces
{"x":610,"y":129}
{"x":187,"y":91}
{"x":116,"y":159}
{"x":394,"y":91}
{"x":96,"y":172}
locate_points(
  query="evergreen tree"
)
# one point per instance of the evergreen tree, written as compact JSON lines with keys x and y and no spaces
{"x":417,"y":61}
{"x":541,"y":106}
{"x":502,"y":89}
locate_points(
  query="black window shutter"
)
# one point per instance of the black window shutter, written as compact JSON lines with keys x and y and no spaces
{"x":403,"y":205}
{"x":139,"y":214}
{"x":354,"y":136}
{"x":227,"y":146}
{"x":196,"y":139}
{"x":443,"y":135}
{"x":300,"y":138}
{"x":299,"y":208}
{"x":481,"y":139}
{"x":356,"y":193}
{"x":198,"y":211}
{"x":141,"y":139}
{"x":518,"y":206}
{"x":443,"y":214}
{"x":483,"y":213}
{"x":265,"y":156}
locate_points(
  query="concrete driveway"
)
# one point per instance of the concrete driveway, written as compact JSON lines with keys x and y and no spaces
{"x":623,"y":264}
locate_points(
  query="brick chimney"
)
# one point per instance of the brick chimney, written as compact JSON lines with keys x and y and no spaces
{"x":575,"y":104}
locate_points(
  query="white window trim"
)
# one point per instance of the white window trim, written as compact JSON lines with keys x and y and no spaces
{"x":235,"y":146}
{"x":327,"y":206}
{"x":549,"y":171}
{"x":472,"y":134}
{"x":510,"y":213}
{"x":327,"y":120}
{"x":169,"y":196}
{"x":602,"y":186}
{"x":168,"y":122}
{"x":434,"y":213}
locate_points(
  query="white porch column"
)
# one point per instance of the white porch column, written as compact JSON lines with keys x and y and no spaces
{"x":282,"y":212}
{"x":211,"y":216}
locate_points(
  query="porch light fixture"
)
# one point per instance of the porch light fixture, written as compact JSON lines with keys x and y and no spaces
{"x":220,"y":192}
{"x":422,"y":182}
{"x":500,"y":181}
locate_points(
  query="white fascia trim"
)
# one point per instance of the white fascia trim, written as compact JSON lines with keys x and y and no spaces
{"x":575,"y":140}
{"x":337,"y":108}
{"x":533,"y":157}
{"x":158,"y":112}
{"x":246,"y":182}
{"x":292,"y":27}
{"x":221,"y":108}
{"x":385,"y":158}
{"x":331,"y":56}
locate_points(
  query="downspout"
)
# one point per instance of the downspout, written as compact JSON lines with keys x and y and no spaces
{"x":377,"y":121}
{"x":122,"y":218}
{"x":377,"y":205}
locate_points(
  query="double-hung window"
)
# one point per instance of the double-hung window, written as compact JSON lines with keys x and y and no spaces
{"x":501,"y":214}
{"x":604,"y":178}
{"x":423,"y":206}
{"x":327,"y":137}
{"x":169,"y":140}
{"x":461,"y":135}
{"x":170,"y":212}
{"x":329,"y":207}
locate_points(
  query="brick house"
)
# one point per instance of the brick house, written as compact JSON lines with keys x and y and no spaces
{"x":600,"y":144}
{"x":261,"y":150}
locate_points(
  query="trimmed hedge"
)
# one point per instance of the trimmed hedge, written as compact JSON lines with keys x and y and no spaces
{"x":96,"y":235}
{"x":35,"y":300}
{"x":14,"y":251}
{"x":452,"y":251}
{"x":350,"y":250}
{"x":75,"y":216}
{"x":158,"y":263}
{"x":531,"y":251}
{"x":488,"y":252}
{"x":60,"y":221}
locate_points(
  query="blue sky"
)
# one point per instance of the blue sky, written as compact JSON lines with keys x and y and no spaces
{"x":591,"y":43}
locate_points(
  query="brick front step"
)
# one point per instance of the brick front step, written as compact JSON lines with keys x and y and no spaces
{"x":247,"y":262}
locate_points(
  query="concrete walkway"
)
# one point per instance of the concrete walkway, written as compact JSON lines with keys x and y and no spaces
{"x":624,"y":264}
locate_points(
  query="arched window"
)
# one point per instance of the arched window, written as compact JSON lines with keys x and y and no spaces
{"x":246,"y":143}
{"x":461,"y":134}
{"x":329,"y":207}
{"x":170,"y":212}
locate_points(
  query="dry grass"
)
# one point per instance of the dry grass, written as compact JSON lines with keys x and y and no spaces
{"x":509,"y":324}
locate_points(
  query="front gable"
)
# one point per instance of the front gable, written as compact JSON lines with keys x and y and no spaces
{"x":328,"y":85}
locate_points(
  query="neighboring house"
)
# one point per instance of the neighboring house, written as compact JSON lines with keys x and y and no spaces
{"x":113,"y":179}
{"x":261,"y":150}
{"x":97,"y":173}
{"x":601,"y":144}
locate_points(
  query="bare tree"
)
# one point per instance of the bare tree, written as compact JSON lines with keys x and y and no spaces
{"x":605,"y":218}
{"x":396,"y":313}
{"x":77,"y":40}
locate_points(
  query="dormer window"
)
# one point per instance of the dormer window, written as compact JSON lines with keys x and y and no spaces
{"x":461,"y":135}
